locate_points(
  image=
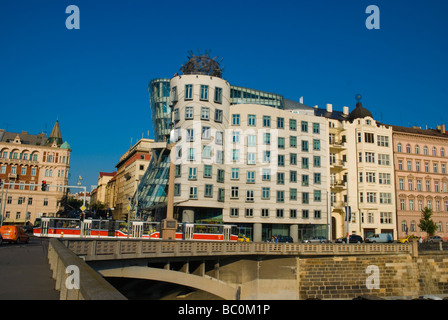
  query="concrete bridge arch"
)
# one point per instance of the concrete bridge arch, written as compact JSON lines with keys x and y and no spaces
{"x":205,"y":283}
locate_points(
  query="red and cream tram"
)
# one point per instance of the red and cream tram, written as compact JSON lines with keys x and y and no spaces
{"x":94,"y":228}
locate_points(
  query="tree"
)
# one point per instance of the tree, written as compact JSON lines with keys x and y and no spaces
{"x":426,"y":223}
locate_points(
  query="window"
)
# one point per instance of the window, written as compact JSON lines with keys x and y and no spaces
{"x":417,"y":149}
{"x":304,"y":125}
{"x":399,"y":147}
{"x":281,"y":143}
{"x":316,"y":128}
{"x":317,"y":178}
{"x":218,"y":95}
{"x":191,"y":154}
{"x":234,"y":193}
{"x":235,"y":155}
{"x":235,"y":174}
{"x":385,"y":198}
{"x":235,"y":119}
{"x":266,"y":156}
{"x":221,"y":194}
{"x":177,"y":189}
{"x":292,"y":141}
{"x":317,"y":195}
{"x":281,"y":160}
{"x":46,"y":202}
{"x":316,"y":144}
{"x":305,"y":163}
{"x":305,"y":198}
{"x":250,"y":177}
{"x":188,"y":113}
{"x":317,"y":214}
{"x":192,"y":173}
{"x":292,"y":124}
{"x":280,"y":178}
{"x":220,"y":175}
{"x":304,"y":145}
{"x":265,"y":213}
{"x":408,"y":148}
{"x":206,"y":133}
{"x":266,"y":176}
{"x":23,"y":171}
{"x":207,"y":152}
{"x":280,"y":213}
{"x":235,"y":136}
{"x":251,"y":158}
{"x":218,"y":115}
{"x":177,"y":170}
{"x":280,"y":196}
{"x":386,"y":217}
{"x":305,"y":214}
{"x":370,"y":157}
{"x":207,"y":171}
{"x":266,"y":121}
{"x":249,"y":212}
{"x":205,"y":113}
{"x":293,"y":194}
{"x":293,"y":213}
{"x":188,"y":91}
{"x":383,"y":141}
{"x":280,"y":123}
{"x":208,"y":191}
{"x":265,"y":193}
{"x":234,"y":212}
{"x":293,"y":158}
{"x":204,"y":92}
{"x":292,"y":176}
{"x":251,"y":120}
{"x":384,"y":178}
{"x":305,"y":180}
{"x":369,"y":137}
{"x":250,"y":196}
{"x":371,"y":197}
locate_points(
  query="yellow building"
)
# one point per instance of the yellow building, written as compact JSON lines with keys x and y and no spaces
{"x":25,"y":161}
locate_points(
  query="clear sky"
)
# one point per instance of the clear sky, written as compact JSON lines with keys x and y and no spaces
{"x":95,"y":79}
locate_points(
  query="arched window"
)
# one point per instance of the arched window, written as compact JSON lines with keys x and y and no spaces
{"x":412,"y":226}
{"x":442,"y":152}
{"x":425,"y":150}
{"x":417,"y":149}
{"x":399,"y":147}
{"x":404,"y":227}
{"x":434,"y":151}
{"x":408,"y":148}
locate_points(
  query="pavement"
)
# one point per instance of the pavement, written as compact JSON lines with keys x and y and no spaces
{"x":25,"y":272}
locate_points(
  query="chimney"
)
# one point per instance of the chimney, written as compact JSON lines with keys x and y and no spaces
{"x":345,"y":110}
{"x":329,"y":107}
{"x":441,"y":128}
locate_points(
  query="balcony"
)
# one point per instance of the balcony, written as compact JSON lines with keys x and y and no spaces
{"x":338,"y":164}
{"x":12,"y":176}
{"x":337,"y":144}
{"x":339,"y":185}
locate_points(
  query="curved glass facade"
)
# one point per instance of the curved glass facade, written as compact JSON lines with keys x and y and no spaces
{"x":159,"y":100}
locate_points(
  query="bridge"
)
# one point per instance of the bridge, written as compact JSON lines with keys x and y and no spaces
{"x":232,"y":270}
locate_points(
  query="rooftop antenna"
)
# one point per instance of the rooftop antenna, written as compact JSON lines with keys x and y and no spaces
{"x":358,"y":98}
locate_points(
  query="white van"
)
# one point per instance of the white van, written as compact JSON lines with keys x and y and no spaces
{"x":380,"y":237}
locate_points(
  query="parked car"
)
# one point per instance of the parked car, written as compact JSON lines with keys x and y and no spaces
{"x":14,"y":234}
{"x":286,"y":239}
{"x":435,"y":239}
{"x":353,"y":238}
{"x":408,"y":239}
{"x":317,"y":239}
{"x":243,"y":238}
{"x":380,"y":237}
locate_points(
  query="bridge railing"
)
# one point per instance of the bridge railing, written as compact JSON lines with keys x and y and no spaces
{"x":89,"y":285}
{"x":107,"y":249}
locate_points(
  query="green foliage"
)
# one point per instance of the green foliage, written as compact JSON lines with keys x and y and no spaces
{"x":426,"y":223}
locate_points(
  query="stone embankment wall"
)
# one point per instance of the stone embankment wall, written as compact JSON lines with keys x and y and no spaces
{"x":346,"y":277}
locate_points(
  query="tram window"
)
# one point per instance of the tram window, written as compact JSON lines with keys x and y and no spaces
{"x":37,"y":223}
{"x":73,"y":224}
{"x":95,"y":224}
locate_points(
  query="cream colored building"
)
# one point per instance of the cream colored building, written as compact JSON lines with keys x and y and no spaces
{"x":132,"y":166}
{"x":25,"y":161}
{"x":103,"y":180}
{"x":256,"y":166}
{"x":361,"y":173}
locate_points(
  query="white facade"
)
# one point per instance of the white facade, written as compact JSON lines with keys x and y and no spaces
{"x":262,"y":168}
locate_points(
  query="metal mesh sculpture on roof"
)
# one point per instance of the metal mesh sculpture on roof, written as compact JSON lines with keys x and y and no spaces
{"x":202,"y":64}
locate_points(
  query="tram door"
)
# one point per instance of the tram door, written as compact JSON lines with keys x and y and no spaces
{"x":188,"y":231}
{"x":86,"y":226}
{"x":137,"y":229}
{"x":227,"y":233}
{"x":44,"y":229}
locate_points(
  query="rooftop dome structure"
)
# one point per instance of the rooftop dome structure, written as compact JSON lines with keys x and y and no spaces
{"x":202,"y":64}
{"x":359,"y":111}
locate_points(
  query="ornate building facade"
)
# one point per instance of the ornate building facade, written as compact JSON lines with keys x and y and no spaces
{"x":25,"y":161}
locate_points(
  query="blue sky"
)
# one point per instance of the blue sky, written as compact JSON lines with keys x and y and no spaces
{"x":95,"y":79}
